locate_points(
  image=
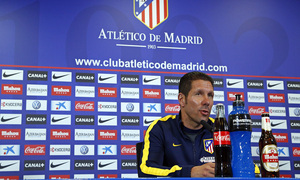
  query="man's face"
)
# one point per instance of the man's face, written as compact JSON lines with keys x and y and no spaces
{"x":197,"y":105}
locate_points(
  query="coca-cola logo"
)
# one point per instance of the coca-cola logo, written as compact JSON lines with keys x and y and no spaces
{"x":128,"y":150}
{"x":296,"y":151}
{"x":84,"y":106}
{"x":172,"y":108}
{"x":256,"y":110}
{"x":34,"y":150}
{"x":222,"y":138}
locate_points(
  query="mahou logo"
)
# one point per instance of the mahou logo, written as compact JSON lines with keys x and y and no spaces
{"x":107,"y":92}
{"x":34,"y":150}
{"x":107,"y":176}
{"x":10,"y":133}
{"x":281,"y":137}
{"x":128,"y":150}
{"x":278,"y":98}
{"x":60,"y":134}
{"x":152,"y":93}
{"x":172,"y":108}
{"x":84,"y":106}
{"x":231,"y":95}
{"x":59,"y":176}
{"x":296,"y":151}
{"x":107,"y":134}
{"x":61,"y":91}
{"x":256,"y":110}
{"x":12,"y":89}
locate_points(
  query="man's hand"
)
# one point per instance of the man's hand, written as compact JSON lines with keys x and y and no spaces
{"x":206,"y":170}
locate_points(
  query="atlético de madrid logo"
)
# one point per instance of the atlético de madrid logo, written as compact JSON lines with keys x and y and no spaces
{"x":151,"y":12}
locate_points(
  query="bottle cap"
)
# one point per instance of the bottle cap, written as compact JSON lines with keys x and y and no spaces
{"x":238,"y":101}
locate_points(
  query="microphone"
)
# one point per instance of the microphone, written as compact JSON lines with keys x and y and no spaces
{"x":207,"y":126}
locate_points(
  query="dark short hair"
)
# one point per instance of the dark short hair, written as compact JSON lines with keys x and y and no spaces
{"x":185,"y":83}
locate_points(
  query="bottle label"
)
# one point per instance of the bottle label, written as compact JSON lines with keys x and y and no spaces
{"x":269,"y":158}
{"x":266,"y":123}
{"x":222,"y":138}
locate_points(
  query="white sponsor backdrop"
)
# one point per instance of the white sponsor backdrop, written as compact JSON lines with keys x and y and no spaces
{"x":85,"y":81}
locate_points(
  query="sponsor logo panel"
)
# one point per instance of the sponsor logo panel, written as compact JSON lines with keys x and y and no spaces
{"x":152,"y":93}
{"x":219,"y":96}
{"x":171,"y":94}
{"x":60,"y":119}
{"x":42,"y":176}
{"x":84,"y":150}
{"x":84,"y":120}
{"x":107,"y":92}
{"x":84,"y":106}
{"x":59,"y":164}
{"x":34,"y":165}
{"x":128,"y":150}
{"x":37,"y":75}
{"x":130,"y":79}
{"x":231,"y":96}
{"x":60,"y":134}
{"x":107,"y":164}
{"x":295,"y":138}
{"x":277,"y":111}
{"x":60,"y":105}
{"x":130,"y":120}
{"x":218,"y":82}
{"x":107,"y":106}
{"x":128,"y":164}
{"x":36,"y":118}
{"x":9,"y":150}
{"x":107,"y":78}
{"x":170,"y":80}
{"x":60,"y":150}
{"x":284,"y":165}
{"x":85,"y":77}
{"x":130,"y":135}
{"x":295,"y":124}
{"x":147,"y":120}
{"x":14,"y":89}
{"x":296,"y":151}
{"x":9,"y":165}
{"x":151,"y":80}
{"x":11,"y":104}
{"x":36,"y":105}
{"x":294,"y":111}
{"x":11,"y":119}
{"x":172,"y":108}
{"x":35,"y":150}
{"x":255,"y":84}
{"x":281,"y":137}
{"x":235,"y":83}
{"x":107,"y":134}
{"x":59,"y":76}
{"x":293,"y":98}
{"x":9,"y":74}
{"x":84,"y":134}
{"x":61,"y":90}
{"x":256,"y":110}
{"x":59,"y":176}
{"x":105,"y":150}
{"x":104,"y":120}
{"x":84,"y":165}
{"x":130,"y":107}
{"x":107,"y":176}
{"x":130,"y":93}
{"x":256,"y":97}
{"x":36,"y":90}
{"x":293,"y":85}
{"x":276,"y":98}
{"x":275,"y":85}
{"x":84,"y":91}
{"x":12,"y":134}
{"x":151,"y":107}
{"x":35,"y":134}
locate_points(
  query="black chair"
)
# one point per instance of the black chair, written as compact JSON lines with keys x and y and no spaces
{"x":139,"y":148}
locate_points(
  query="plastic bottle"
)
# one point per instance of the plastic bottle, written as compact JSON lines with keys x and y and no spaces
{"x":240,"y":132}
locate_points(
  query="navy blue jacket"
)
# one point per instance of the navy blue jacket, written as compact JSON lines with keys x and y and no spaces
{"x":169,"y":152}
